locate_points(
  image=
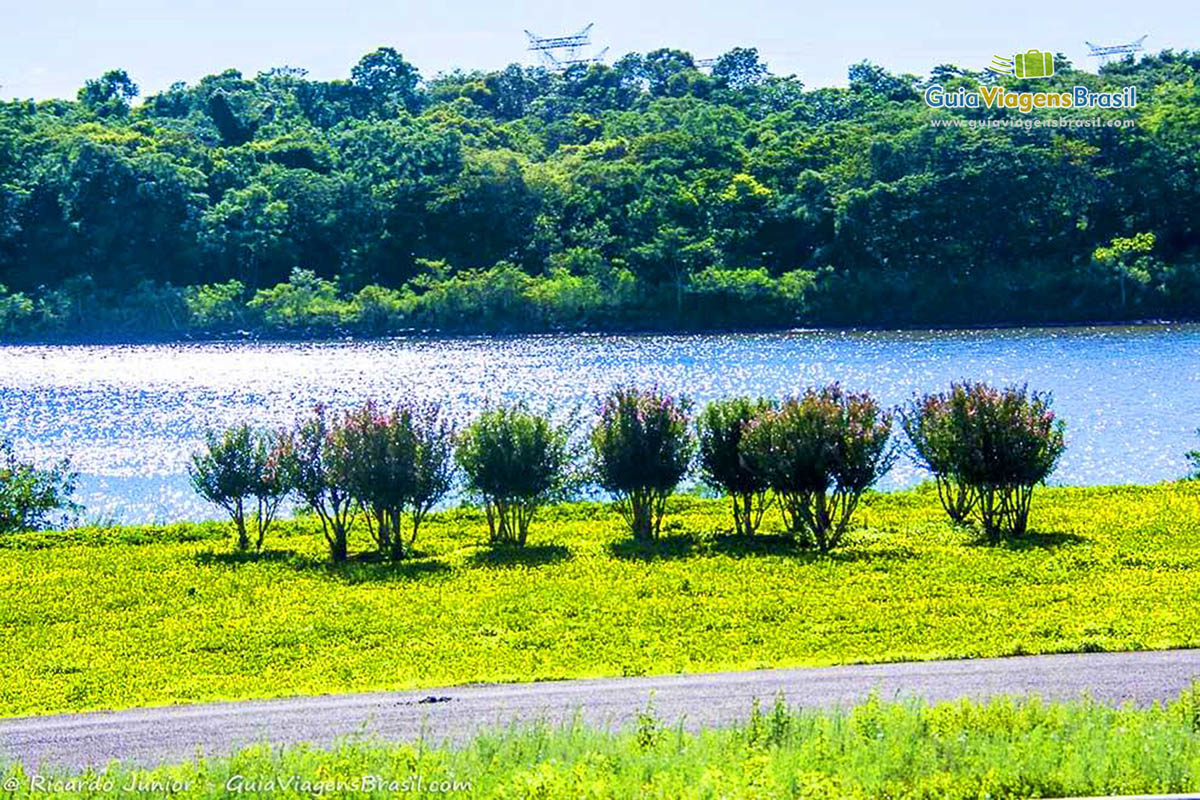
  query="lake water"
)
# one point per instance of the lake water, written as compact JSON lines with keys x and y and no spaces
{"x":128,"y":416}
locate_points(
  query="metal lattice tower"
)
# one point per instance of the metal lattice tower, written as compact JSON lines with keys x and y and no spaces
{"x":1107,"y":52}
{"x":560,"y":52}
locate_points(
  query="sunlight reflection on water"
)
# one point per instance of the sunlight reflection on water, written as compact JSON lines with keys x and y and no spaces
{"x":129,"y":415}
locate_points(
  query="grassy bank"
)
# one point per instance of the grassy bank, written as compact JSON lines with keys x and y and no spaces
{"x":1002,"y":749}
{"x":136,"y":616}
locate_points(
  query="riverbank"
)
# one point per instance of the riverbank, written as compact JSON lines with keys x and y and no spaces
{"x":267,"y":335}
{"x":144,"y":616}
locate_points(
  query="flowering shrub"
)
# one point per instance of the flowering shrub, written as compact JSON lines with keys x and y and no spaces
{"x":819,"y":453}
{"x":995,"y":444}
{"x":237,"y":466}
{"x":934,"y":434}
{"x":29,"y":496}
{"x":515,"y":460}
{"x":317,"y":463}
{"x":397,"y":462}
{"x":719,"y":430}
{"x":434,"y":468}
{"x":642,"y":447}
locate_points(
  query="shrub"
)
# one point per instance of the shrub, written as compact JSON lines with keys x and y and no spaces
{"x":149,"y":306}
{"x":317,"y":463}
{"x":933,"y":434}
{"x":434,"y":467}
{"x":749,"y":296}
{"x":29,"y":496}
{"x":238,"y":466}
{"x":581,"y":281}
{"x":17,"y":313}
{"x":562,"y":298}
{"x":216,"y":306}
{"x":516,"y":460}
{"x":719,"y":429}
{"x":398,"y":462}
{"x":642,"y":447}
{"x":304,"y":301}
{"x":491,"y":299}
{"x":820,"y":452}
{"x":378,"y":310}
{"x":999,"y":444}
{"x":72,"y":306}
{"x":379,"y":461}
{"x":1014,"y":442}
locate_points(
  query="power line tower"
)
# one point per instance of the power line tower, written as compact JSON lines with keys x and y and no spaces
{"x":560,"y":52}
{"x":1107,"y":52}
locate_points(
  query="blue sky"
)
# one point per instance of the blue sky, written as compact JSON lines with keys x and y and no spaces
{"x":48,"y":50}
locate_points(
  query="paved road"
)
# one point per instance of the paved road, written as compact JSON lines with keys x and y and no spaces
{"x":152,"y":735}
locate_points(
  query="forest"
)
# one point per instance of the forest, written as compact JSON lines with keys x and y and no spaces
{"x":648,"y":194}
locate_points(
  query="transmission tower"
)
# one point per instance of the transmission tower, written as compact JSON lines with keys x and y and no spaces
{"x":560,"y":52}
{"x":1107,"y":52}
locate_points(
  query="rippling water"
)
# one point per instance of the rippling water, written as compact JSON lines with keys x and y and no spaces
{"x":129,"y":415}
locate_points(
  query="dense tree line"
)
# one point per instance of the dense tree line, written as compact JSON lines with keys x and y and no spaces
{"x":648,"y":193}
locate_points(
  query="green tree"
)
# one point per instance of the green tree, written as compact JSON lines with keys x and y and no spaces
{"x":29,"y":495}
{"x":239,"y":466}
{"x":110,"y":94}
{"x":516,"y":461}
{"x":246,"y":232}
{"x":740,"y":68}
{"x":387,"y":79}
{"x":1128,"y":259}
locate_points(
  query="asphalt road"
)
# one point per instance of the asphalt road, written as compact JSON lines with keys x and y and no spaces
{"x":174,"y":733}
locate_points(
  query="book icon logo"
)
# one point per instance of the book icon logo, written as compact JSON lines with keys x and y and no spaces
{"x":1030,"y":64}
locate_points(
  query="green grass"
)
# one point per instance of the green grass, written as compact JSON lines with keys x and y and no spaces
{"x":109,"y":619}
{"x":1002,"y":749}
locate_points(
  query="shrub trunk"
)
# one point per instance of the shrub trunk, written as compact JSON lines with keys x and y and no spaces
{"x":958,"y":498}
{"x":643,"y":510}
{"x":748,"y":509}
{"x":508,"y":521}
{"x":239,"y":523}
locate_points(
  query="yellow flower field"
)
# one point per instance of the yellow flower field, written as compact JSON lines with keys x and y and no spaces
{"x":141,"y":616}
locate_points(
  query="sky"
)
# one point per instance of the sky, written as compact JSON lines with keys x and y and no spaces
{"x":49,"y":49}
